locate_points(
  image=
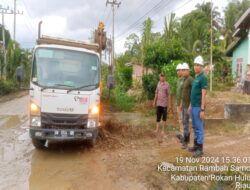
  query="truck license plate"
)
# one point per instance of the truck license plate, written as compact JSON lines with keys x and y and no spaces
{"x":64,"y":133}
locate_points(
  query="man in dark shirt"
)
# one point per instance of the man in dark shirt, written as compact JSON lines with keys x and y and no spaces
{"x":178,"y":101}
{"x":198,"y":100}
{"x":185,"y":103}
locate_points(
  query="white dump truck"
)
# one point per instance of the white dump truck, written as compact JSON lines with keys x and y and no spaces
{"x":64,"y":91}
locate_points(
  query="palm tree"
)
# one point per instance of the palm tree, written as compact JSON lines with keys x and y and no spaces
{"x":195,"y":28}
{"x":170,"y":27}
{"x":146,"y":38}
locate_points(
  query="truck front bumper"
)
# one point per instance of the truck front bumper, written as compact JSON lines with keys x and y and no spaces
{"x":63,"y":134}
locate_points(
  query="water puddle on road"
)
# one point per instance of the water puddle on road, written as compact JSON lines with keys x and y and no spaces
{"x":9,"y":121}
{"x":68,"y":166}
{"x":15,"y":152}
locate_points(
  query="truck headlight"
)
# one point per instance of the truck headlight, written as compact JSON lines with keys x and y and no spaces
{"x":34,"y":109}
{"x":94,"y":110}
{"x":92,"y":123}
{"x":35,"y":121}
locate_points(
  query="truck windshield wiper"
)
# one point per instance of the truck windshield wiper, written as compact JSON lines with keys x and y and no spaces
{"x":46,"y":87}
{"x":56,"y":85}
{"x":78,"y":88}
{"x":65,"y":85}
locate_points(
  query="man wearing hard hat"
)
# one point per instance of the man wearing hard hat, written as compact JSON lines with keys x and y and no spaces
{"x":178,"y":99}
{"x":185,"y":103}
{"x":198,"y":100}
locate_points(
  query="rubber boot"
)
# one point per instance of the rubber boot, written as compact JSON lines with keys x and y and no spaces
{"x":186,"y":142}
{"x":193,"y":149}
{"x":199,"y":151}
{"x":180,"y":137}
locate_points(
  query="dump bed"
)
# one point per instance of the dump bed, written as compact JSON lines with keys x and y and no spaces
{"x":66,"y":42}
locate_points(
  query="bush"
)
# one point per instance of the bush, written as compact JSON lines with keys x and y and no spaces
{"x":160,"y":53}
{"x":7,"y":87}
{"x":104,"y":74}
{"x":124,"y":77}
{"x":170,"y":71}
{"x":149,"y":83}
{"x":121,"y":101}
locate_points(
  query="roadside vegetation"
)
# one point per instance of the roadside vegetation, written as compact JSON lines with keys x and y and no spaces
{"x":15,"y":56}
{"x":181,"y":40}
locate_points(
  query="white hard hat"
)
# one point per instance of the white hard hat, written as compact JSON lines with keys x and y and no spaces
{"x":185,"y":66}
{"x":179,"y":66}
{"x":248,"y":64}
{"x":199,"y":60}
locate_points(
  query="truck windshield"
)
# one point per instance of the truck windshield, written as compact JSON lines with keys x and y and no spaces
{"x":60,"y":68}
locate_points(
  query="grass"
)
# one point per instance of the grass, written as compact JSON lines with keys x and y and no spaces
{"x":118,"y":99}
{"x":227,"y":97}
{"x":227,"y":127}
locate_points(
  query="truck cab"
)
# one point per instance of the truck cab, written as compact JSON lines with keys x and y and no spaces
{"x":64,"y":92}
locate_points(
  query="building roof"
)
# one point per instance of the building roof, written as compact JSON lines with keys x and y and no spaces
{"x":244,"y":21}
{"x":241,"y":26}
{"x":233,"y":45}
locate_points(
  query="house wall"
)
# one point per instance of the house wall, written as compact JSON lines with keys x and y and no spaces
{"x":138,"y":70}
{"x":240,"y":57}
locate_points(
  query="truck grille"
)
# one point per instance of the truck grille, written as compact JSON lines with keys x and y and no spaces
{"x":52,"y":120}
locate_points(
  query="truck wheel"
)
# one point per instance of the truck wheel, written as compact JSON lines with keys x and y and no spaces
{"x":91,"y":143}
{"x":39,"y":144}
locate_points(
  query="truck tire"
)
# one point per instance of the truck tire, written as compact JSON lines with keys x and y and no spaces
{"x":39,"y":144}
{"x":91,"y":143}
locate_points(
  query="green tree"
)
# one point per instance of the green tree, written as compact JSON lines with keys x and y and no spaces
{"x":146,"y":38}
{"x":195,"y":28}
{"x":171,"y":27}
{"x":232,"y":13}
{"x":7,"y":41}
{"x":132,"y":44}
{"x":16,"y":57}
{"x":159,"y":53}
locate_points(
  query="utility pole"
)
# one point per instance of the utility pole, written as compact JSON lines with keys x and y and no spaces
{"x":113,"y":3}
{"x":14,"y":28}
{"x":4,"y":49}
{"x":4,"y":11}
{"x":211,"y":50}
{"x":15,"y":12}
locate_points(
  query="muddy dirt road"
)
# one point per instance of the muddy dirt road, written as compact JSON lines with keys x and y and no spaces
{"x":125,"y":156}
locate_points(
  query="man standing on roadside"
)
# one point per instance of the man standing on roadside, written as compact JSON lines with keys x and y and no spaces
{"x":198,"y":100}
{"x":178,"y":99}
{"x":246,"y":86}
{"x":185,"y":103}
{"x":162,"y":102}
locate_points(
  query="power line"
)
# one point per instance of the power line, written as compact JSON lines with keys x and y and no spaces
{"x":156,"y":7}
{"x":183,"y":5}
{"x":143,"y":3}
{"x":108,"y":21}
{"x":28,"y":20}
{"x":119,"y":38}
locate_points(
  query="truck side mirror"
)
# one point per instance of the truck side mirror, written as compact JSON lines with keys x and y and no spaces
{"x":110,"y":82}
{"x":19,"y":74}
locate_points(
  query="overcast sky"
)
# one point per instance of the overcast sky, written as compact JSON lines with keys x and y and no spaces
{"x":76,"y":19}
